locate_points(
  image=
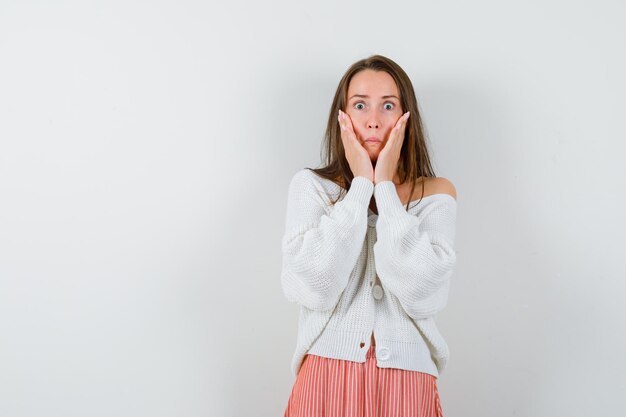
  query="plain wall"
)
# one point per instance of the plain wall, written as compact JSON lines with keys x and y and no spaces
{"x":145,"y":154}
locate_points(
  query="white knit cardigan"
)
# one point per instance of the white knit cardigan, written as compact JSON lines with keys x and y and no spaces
{"x":335,"y":256}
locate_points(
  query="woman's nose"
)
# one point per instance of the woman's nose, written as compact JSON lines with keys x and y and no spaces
{"x":373,"y":122}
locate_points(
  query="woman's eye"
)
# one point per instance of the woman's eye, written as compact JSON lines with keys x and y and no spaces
{"x":359,"y":104}
{"x":389,"y":106}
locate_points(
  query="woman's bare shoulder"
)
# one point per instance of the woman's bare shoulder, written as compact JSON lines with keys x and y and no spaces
{"x":444,"y":186}
{"x":436,"y":185}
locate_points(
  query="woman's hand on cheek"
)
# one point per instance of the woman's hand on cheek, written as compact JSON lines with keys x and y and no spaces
{"x":387,"y":161}
{"x":356,"y":154}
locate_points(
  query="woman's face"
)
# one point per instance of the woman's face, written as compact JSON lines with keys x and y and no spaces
{"x":374,"y":107}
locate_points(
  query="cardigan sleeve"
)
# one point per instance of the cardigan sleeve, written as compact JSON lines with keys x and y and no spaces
{"x":414,"y":254}
{"x":321,"y":243}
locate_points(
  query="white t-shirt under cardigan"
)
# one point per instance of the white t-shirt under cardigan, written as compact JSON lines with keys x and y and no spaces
{"x":353,"y":272}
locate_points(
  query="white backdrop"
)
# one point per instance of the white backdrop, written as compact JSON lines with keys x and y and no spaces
{"x":145,"y":154}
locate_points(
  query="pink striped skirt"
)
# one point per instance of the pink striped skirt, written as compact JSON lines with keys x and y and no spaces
{"x":327,"y":387}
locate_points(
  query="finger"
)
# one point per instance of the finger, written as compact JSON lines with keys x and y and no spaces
{"x":402,"y":119}
{"x":348,"y":138}
{"x":397,"y":133}
{"x":402,"y":122}
{"x":406,"y":121}
{"x":347,"y":125}
{"x":348,"y":121}
{"x":343,"y":123}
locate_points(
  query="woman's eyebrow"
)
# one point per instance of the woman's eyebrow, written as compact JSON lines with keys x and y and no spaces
{"x":366,"y":96}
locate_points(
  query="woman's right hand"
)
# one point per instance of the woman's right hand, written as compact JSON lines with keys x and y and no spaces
{"x":357,"y":156}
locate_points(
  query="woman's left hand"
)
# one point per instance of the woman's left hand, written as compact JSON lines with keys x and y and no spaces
{"x":387,"y":161}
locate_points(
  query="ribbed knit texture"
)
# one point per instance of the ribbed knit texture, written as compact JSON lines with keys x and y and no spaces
{"x":333,"y":256}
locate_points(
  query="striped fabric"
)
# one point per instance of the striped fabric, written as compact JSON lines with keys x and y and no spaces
{"x":327,"y":387}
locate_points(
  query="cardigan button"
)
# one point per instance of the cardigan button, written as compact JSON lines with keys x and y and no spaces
{"x":383,"y":353}
{"x":377,"y":291}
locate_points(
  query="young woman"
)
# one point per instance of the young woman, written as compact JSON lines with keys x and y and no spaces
{"x":369,"y":265}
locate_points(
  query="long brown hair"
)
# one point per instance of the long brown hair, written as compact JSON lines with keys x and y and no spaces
{"x":414,"y":161}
